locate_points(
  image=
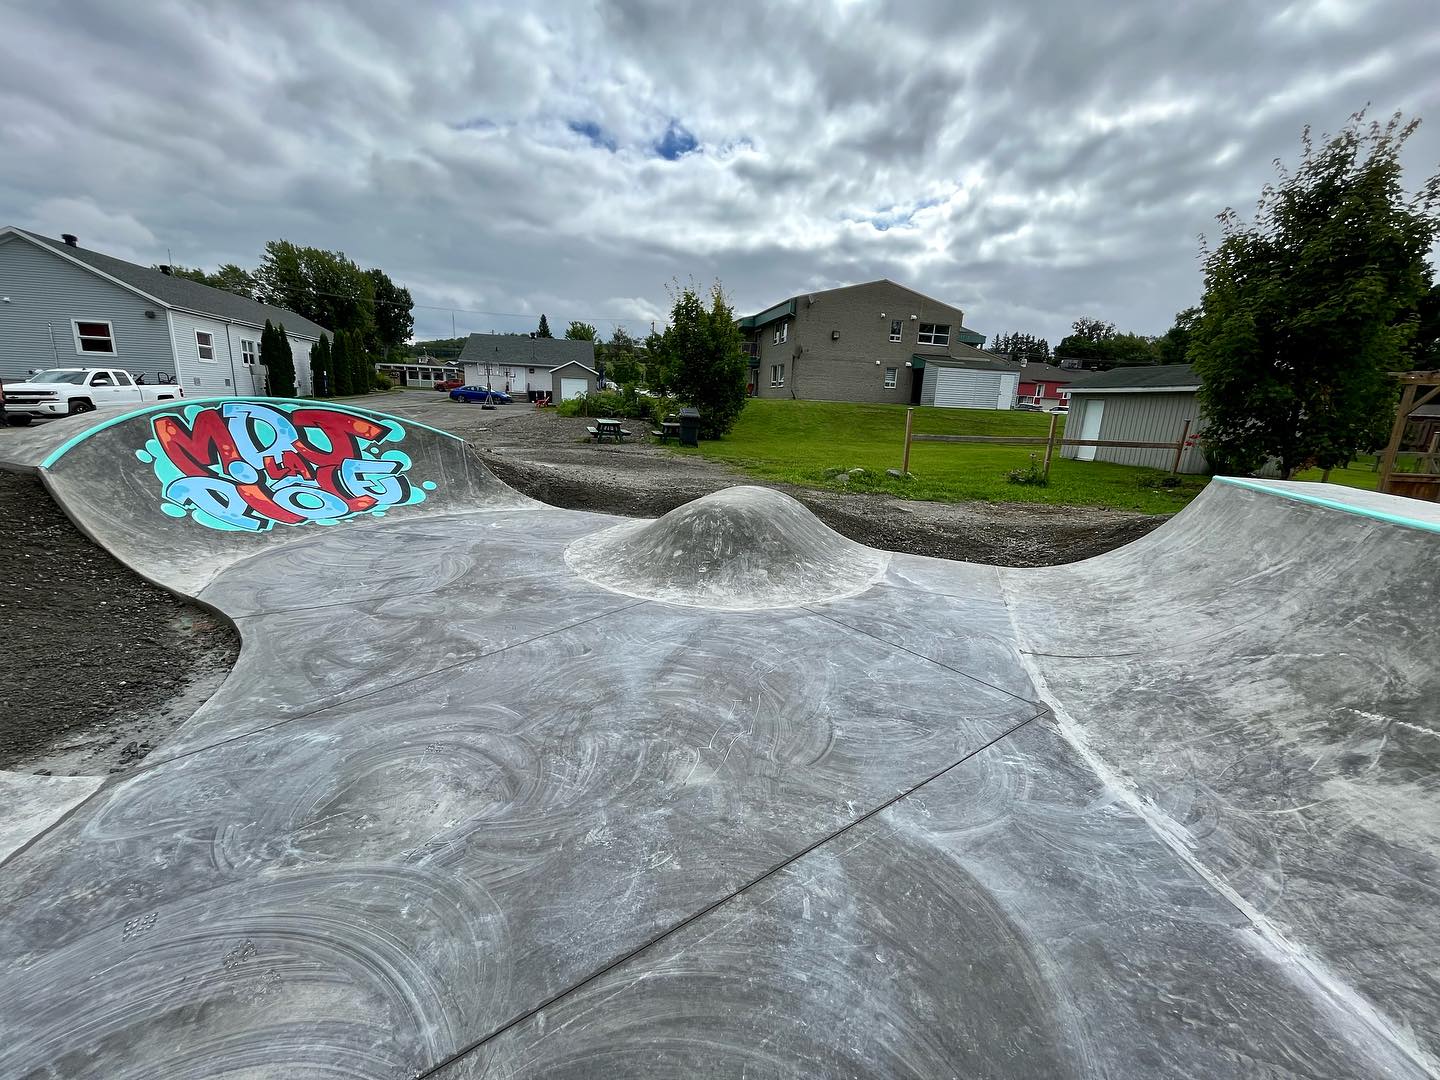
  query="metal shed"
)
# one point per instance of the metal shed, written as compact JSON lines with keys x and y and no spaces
{"x":1136,"y":404}
{"x":979,"y":381}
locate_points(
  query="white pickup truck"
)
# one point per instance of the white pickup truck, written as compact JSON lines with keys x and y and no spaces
{"x":69,"y":391}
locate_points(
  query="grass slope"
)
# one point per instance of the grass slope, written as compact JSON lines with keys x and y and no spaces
{"x":797,"y":441}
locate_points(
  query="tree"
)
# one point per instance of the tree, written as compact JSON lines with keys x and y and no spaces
{"x":321,"y":373}
{"x":1173,"y":346}
{"x":544,"y":330}
{"x":229,"y":277}
{"x":362,"y":373}
{"x":1028,"y":347}
{"x":579,"y":331}
{"x":340,"y":365}
{"x":622,"y":358}
{"x":279,"y":360}
{"x":702,"y":347}
{"x":1308,"y":308}
{"x":1102,"y":347}
{"x":324,"y":286}
{"x":394,"y":312}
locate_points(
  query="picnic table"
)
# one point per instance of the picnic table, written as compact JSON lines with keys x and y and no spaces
{"x":669,"y":429}
{"x":606,"y":428}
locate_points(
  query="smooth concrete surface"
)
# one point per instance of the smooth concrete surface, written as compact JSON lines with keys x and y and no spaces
{"x":461,"y":811}
{"x":33,"y":803}
{"x":22,"y":449}
{"x":741,"y":549}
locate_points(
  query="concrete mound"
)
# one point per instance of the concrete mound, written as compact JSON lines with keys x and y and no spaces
{"x":741,"y":549}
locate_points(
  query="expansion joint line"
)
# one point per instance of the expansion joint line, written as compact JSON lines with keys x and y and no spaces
{"x":788,"y":861}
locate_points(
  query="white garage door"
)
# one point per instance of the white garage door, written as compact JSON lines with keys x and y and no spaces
{"x":572,"y":388}
{"x":958,"y":388}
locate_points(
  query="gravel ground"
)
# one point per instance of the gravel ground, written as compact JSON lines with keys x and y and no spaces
{"x":100,"y":664}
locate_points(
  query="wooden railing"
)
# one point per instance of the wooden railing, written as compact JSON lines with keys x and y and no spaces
{"x":1049,"y":442}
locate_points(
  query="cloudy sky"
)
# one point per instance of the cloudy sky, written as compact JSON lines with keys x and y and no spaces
{"x":1030,"y":161}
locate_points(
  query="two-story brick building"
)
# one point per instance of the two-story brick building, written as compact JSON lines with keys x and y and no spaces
{"x":865,"y":342}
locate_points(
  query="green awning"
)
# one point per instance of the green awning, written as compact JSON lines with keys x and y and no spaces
{"x":917,"y":362}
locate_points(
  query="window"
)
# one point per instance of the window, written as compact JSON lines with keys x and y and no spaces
{"x":777,"y":374}
{"x":101,"y":378}
{"x":782,"y":331}
{"x":933,"y":334}
{"x":896,"y":330}
{"x":121,"y":379}
{"x":892,"y":378}
{"x":93,"y":336}
{"x":205,"y":345}
{"x":249,"y":352}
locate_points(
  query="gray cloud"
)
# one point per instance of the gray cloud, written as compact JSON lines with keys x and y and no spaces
{"x":1030,"y":162}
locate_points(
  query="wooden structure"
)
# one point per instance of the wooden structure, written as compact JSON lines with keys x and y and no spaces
{"x":1417,"y":388}
{"x":1048,"y":441}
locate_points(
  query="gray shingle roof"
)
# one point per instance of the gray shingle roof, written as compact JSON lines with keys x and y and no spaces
{"x":521,"y":350}
{"x":1142,"y":377}
{"x":181,"y":293}
{"x":967,"y":356}
{"x":1034,"y":372}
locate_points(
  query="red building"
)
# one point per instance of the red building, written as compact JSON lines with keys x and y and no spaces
{"x":1044,"y":385}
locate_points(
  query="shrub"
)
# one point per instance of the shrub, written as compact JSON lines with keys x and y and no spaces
{"x":383,"y":381}
{"x":1032,"y":474}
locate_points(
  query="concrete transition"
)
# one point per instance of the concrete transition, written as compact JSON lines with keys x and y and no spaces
{"x":741,"y":549}
{"x":503,"y":790}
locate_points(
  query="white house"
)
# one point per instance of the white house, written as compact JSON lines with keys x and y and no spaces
{"x":520,"y":364}
{"x":62,"y":305}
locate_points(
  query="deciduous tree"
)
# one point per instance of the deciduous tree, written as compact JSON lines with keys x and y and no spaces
{"x":702,"y":350}
{"x":579,"y":331}
{"x":1309,"y":307}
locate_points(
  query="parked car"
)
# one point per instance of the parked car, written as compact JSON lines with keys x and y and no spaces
{"x":450,"y":384}
{"x":1061,"y":409}
{"x":1026,"y":406}
{"x":481,"y":394}
{"x":70,"y":391}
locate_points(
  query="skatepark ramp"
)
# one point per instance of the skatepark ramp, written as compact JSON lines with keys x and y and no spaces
{"x":245,"y":474}
{"x":500,"y":789}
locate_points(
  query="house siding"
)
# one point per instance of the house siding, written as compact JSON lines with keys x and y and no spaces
{"x":846,"y":369}
{"x":1141,"y":417}
{"x":47,"y":292}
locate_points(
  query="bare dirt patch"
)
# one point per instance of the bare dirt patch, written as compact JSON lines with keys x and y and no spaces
{"x":100,"y":664}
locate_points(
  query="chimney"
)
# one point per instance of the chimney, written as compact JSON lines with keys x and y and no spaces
{"x":71,"y":240}
{"x":166,"y":269}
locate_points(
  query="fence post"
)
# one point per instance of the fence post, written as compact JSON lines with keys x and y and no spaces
{"x":1050,"y":442}
{"x":909,"y":419}
{"x":1180,"y":447}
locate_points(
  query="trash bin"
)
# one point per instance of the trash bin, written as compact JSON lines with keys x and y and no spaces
{"x":689,"y":427}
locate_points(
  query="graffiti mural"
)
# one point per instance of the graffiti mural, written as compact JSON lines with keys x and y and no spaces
{"x":247,"y":466}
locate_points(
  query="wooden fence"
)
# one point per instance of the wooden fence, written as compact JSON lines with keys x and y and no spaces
{"x":1049,"y":442}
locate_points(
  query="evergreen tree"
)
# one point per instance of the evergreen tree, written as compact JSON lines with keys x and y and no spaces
{"x":320,"y":375}
{"x":1310,"y":307}
{"x":275,"y":355}
{"x":544,"y":330}
{"x":340,"y":365}
{"x":281,"y":364}
{"x":362,"y":373}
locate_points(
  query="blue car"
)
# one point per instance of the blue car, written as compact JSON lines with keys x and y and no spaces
{"x":480,"y":394}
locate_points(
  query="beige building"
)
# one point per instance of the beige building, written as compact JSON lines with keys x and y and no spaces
{"x":866,"y":342}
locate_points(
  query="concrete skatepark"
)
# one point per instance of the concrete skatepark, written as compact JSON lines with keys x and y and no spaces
{"x":498,"y":789}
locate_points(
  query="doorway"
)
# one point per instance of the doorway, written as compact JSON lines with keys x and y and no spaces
{"x":1090,"y":428}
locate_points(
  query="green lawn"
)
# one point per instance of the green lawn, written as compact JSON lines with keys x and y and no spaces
{"x":1361,"y":473}
{"x":797,"y":441}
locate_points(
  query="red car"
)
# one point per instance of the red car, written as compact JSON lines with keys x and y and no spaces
{"x":450,"y":384}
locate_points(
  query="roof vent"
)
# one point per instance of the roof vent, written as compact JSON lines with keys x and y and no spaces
{"x":166,"y":269}
{"x":71,"y":240}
